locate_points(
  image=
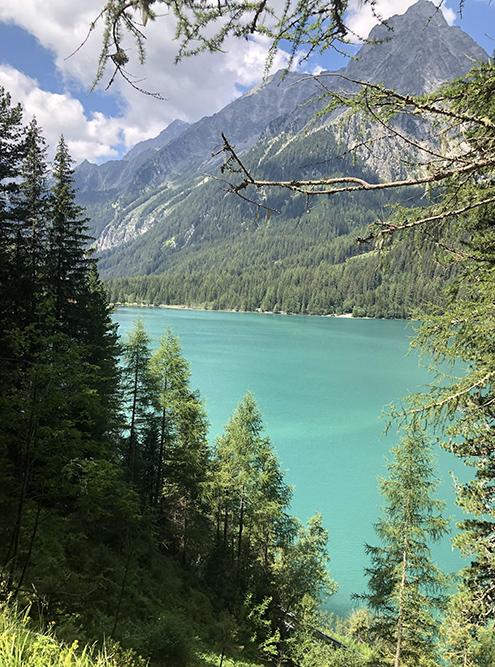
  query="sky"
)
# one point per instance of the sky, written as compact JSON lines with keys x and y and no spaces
{"x":37,"y":38}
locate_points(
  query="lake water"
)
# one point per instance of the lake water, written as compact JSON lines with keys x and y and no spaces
{"x":321,"y":384}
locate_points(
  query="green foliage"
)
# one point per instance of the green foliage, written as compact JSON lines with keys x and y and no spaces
{"x":183,"y":451}
{"x":464,"y":641}
{"x":302,"y":567}
{"x":404,"y":584}
{"x":249,"y":503}
{"x":458,"y":405}
{"x":22,"y":645}
{"x":167,"y":640}
{"x":297,"y":262}
{"x":311,"y":641}
{"x":67,"y":257}
{"x":59,"y":378}
{"x":264,"y":563}
{"x":140,"y":455}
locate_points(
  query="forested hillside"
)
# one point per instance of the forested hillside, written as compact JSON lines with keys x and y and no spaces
{"x":223,"y":254}
{"x":271,"y":271}
{"x":168,"y":231}
{"x":118,"y":519}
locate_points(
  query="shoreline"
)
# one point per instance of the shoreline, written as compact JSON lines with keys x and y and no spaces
{"x":232,"y":310}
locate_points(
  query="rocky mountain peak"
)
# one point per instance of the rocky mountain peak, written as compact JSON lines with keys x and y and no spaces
{"x":415,"y":52}
{"x":149,"y":189}
{"x":171,"y":132}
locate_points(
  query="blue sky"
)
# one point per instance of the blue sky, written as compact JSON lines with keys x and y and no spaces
{"x":37,"y":36}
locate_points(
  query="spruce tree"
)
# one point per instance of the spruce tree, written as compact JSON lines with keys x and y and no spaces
{"x":68,"y":253}
{"x":33,"y":225}
{"x":12,"y":151}
{"x":405,"y":587}
{"x":182,"y":453}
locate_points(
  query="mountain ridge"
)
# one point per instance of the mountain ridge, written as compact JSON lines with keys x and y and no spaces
{"x":156,"y":213}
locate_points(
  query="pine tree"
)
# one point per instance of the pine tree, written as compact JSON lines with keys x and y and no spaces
{"x":68,"y":253}
{"x":33,"y":225}
{"x":182,"y":455}
{"x":140,"y":403}
{"x":404,"y":584}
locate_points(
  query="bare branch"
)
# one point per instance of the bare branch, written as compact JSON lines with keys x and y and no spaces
{"x":330,"y":186}
{"x":92,"y":26}
{"x":390,"y":228}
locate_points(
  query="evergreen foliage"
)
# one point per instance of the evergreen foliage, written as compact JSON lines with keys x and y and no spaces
{"x":68,"y":263}
{"x":116,"y":519}
{"x":183,"y":473}
{"x":405,"y":587}
{"x":109,"y":491}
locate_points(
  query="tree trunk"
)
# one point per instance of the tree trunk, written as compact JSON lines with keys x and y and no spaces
{"x":239,"y":535}
{"x":225,"y":526}
{"x":13,"y":552}
{"x":132,"y":445}
{"x":400,"y":620}
{"x":30,"y":550}
{"x":161,"y":450}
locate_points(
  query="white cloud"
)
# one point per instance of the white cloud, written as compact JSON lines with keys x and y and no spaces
{"x":246,"y":61}
{"x":61,"y":27}
{"x":317,"y":69}
{"x":195,"y":87}
{"x":87,"y":137}
{"x":362,"y":18}
{"x":449,"y":14}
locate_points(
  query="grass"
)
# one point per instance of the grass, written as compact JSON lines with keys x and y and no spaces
{"x":22,"y":645}
{"x":213,"y":660}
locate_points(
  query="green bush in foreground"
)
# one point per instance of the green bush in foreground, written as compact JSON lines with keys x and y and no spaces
{"x":23,"y":646}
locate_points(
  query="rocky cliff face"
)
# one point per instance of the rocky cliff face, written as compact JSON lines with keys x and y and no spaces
{"x":174,"y":130}
{"x":414,"y":53}
{"x":418,"y":52}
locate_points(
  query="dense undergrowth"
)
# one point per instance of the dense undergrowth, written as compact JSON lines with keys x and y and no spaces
{"x":25,"y":642}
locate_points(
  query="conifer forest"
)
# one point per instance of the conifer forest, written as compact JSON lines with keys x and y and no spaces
{"x":127,"y":538}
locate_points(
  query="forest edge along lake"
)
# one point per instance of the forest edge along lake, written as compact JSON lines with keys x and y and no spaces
{"x":321,"y":384}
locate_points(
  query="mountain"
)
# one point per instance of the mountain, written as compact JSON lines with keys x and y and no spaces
{"x":157,"y":215}
{"x":171,"y":132}
{"x":419,"y":52}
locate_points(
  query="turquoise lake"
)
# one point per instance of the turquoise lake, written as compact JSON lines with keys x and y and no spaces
{"x":321,"y":384}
